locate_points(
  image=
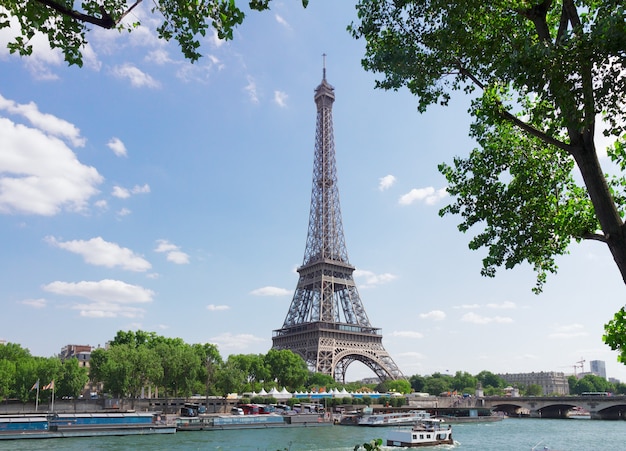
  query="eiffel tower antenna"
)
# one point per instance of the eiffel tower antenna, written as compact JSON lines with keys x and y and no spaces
{"x":326,"y":323}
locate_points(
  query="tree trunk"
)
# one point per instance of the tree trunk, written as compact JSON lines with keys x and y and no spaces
{"x":606,"y":211}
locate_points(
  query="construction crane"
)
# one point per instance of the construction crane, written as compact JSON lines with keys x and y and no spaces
{"x":576,"y":365}
{"x":581,"y":364}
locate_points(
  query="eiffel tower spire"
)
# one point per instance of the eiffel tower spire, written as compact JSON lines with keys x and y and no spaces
{"x":326,"y":323}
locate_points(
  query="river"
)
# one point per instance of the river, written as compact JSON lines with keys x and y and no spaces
{"x":508,"y":435}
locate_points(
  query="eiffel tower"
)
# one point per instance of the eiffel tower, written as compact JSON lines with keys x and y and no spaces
{"x":326,"y":323}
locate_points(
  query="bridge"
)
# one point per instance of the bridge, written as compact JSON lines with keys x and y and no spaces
{"x":600,"y":407}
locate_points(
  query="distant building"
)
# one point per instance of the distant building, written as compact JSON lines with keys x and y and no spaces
{"x":551,"y":383}
{"x":80,"y":352}
{"x":598,"y":367}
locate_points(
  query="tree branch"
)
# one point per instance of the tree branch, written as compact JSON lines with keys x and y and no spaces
{"x":127,"y":11}
{"x":595,"y":237}
{"x":105,"y":21}
{"x":515,"y":120}
{"x":562,"y":25}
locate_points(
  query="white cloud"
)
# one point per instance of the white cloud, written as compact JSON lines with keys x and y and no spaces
{"x":478,"y":319}
{"x":428,"y":195}
{"x":217,"y":308}
{"x":270,"y":291}
{"x":104,"y":310}
{"x":99,"y":252}
{"x":123,"y":212}
{"x":178,"y":257}
{"x":195,"y":73}
{"x":165,"y":246}
{"x":90,"y":58}
{"x":118,"y":147}
{"x":136,"y":76}
{"x":35,"y":303}
{"x":106,"y":290}
{"x":109,"y":298}
{"x":158,"y":56}
{"x":504,"y":305}
{"x":45,"y":122}
{"x":435,"y":315}
{"x":39,"y":174}
{"x":467,"y":306}
{"x":215,"y":61}
{"x":568,"y":331}
{"x":174,"y":254}
{"x":235,"y":342}
{"x":141,"y":189}
{"x":282,"y":21}
{"x":280,"y":98}
{"x":372,"y":279}
{"x":251,"y":90}
{"x":124,"y":193}
{"x":386,"y":182}
{"x":214,"y":39}
{"x":121,"y":193}
{"x":406,"y":334}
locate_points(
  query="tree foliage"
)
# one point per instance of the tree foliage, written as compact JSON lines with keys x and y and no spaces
{"x":545,"y":69}
{"x":615,"y":334}
{"x":135,"y":360}
{"x":229,"y":378}
{"x":72,"y":380}
{"x":66,"y":28}
{"x":541,"y":74}
{"x":589,"y":383}
{"x":19,"y":372}
{"x":286,"y":368}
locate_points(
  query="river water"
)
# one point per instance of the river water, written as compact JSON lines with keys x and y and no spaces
{"x":510,"y":434}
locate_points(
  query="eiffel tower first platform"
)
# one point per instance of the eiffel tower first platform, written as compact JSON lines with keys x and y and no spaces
{"x":326,"y":323}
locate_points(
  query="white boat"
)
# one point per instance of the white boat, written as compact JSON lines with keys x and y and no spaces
{"x":394,"y":419}
{"x":425,"y":433}
{"x":579,"y":413}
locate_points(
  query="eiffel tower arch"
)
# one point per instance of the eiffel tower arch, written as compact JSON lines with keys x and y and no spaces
{"x":326,"y":323}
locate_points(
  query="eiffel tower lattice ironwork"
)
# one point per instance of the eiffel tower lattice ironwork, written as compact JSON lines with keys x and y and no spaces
{"x":326,"y":323}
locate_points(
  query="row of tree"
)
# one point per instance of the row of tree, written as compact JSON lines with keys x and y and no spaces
{"x":134,"y":362}
{"x":494,"y":385}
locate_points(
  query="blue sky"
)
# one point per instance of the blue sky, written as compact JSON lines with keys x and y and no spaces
{"x":143,"y":191}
